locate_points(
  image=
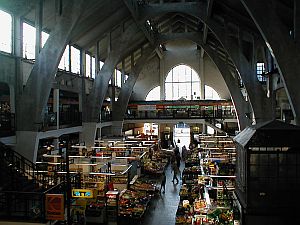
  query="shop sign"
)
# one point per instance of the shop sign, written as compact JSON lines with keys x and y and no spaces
{"x":82,"y":193}
{"x":55,"y":209}
{"x":146,"y":107}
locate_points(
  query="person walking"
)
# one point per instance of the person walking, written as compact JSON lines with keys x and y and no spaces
{"x":184,"y":153}
{"x":178,"y":159}
{"x":175,"y":172}
{"x":163,"y":182}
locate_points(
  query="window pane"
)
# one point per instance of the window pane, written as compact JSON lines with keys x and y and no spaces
{"x":93,"y":67}
{"x":65,"y":62}
{"x":6,"y":32}
{"x":75,"y":60}
{"x":154,"y":94}
{"x":196,"y":90}
{"x":210,"y":93}
{"x":87,"y":65}
{"x":101,"y":64}
{"x":118,"y":78}
{"x":169,"y":93}
{"x":44,"y":38}
{"x":28,"y":41}
{"x":185,"y":81}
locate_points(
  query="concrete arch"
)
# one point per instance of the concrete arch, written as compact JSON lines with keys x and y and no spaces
{"x":284,"y":47}
{"x":242,"y":107}
{"x":261,"y":105}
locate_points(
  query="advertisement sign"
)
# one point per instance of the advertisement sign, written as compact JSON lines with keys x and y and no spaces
{"x":55,"y":209}
{"x":82,"y":193}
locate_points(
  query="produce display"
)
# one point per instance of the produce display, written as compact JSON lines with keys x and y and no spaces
{"x":133,"y":203}
{"x":206,"y":192}
{"x":154,"y":167}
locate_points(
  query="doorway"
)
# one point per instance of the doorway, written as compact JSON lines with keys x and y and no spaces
{"x":182,"y":135}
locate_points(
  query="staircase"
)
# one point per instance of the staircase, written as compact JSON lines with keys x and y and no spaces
{"x":23,"y":188}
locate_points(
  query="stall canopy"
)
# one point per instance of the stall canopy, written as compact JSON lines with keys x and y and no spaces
{"x":273,"y":133}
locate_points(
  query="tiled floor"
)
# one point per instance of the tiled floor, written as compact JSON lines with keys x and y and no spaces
{"x":163,"y":209}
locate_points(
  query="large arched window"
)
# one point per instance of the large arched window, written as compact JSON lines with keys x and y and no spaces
{"x":154,"y":94}
{"x":182,"y":82}
{"x":211,"y":94}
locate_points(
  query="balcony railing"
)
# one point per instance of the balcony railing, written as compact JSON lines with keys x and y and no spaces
{"x":182,"y":114}
{"x":66,"y":119}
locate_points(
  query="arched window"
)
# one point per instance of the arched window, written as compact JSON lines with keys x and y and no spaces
{"x":182,"y":82}
{"x":154,"y":94}
{"x":211,"y":94}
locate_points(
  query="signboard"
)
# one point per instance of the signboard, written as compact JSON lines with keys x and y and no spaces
{"x":146,"y":107}
{"x":82,"y":193}
{"x":55,"y":209}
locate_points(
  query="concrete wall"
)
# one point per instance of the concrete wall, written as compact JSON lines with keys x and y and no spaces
{"x":148,"y":79}
{"x":7,"y":69}
{"x":178,"y":53}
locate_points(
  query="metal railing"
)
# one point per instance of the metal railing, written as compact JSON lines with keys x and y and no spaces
{"x":23,"y":205}
{"x":66,"y":119}
{"x":182,"y":114}
{"x":16,"y":162}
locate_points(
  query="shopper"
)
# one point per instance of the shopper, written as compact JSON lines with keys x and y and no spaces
{"x":178,"y":159}
{"x":184,"y":153}
{"x":175,"y":172}
{"x":163,"y":182}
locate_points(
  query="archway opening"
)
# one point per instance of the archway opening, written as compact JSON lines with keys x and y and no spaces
{"x":182,"y":134}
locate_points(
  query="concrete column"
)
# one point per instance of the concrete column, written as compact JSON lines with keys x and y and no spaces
{"x":12,"y":99}
{"x":56,"y":143}
{"x":202,"y":78}
{"x":97,"y":57}
{"x":88,"y":134}
{"x":116,"y":128}
{"x":123,"y":72}
{"x":113,"y":91}
{"x":38,"y":27}
{"x":204,"y":128}
{"x":30,"y":147}
{"x":162,"y":78}
{"x":56,"y":106}
{"x":83,"y":63}
{"x":17,"y":37}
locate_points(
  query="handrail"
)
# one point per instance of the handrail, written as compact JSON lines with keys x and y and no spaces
{"x":24,"y":166}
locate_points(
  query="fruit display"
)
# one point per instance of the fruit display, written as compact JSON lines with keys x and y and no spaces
{"x":133,"y":203}
{"x":140,"y":186}
{"x":154,"y":167}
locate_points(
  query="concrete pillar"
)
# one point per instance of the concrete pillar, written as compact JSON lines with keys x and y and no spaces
{"x":30,"y":147}
{"x":204,"y":128}
{"x":97,"y":58}
{"x":38,"y":27}
{"x":88,"y":134}
{"x":56,"y":106}
{"x":202,"y":78}
{"x":116,"y":128}
{"x":56,"y":143}
{"x":17,"y":37}
{"x":123,"y":72}
{"x":12,"y":99}
{"x":83,"y":63}
{"x":162,"y":78}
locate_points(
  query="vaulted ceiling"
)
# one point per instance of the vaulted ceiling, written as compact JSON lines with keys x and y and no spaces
{"x":104,"y":19}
